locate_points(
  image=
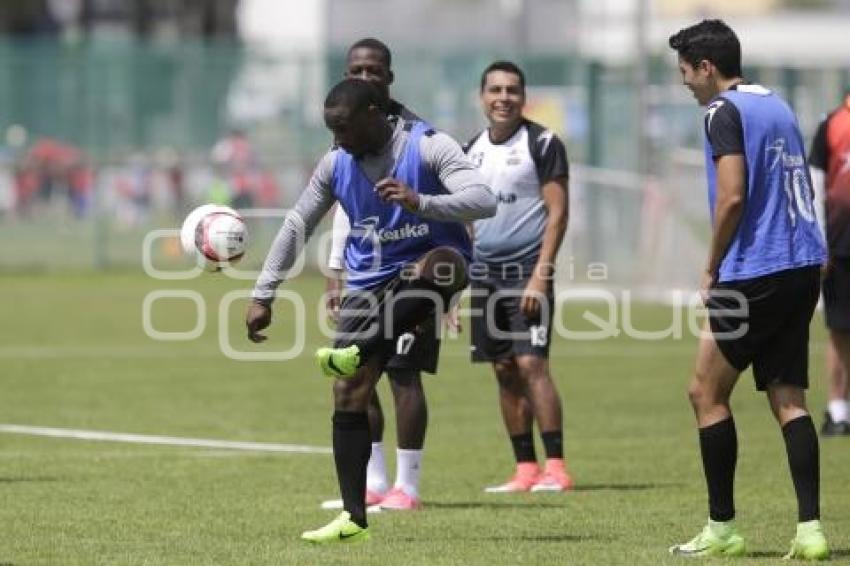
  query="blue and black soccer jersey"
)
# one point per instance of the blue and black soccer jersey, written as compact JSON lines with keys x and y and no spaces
{"x":385,"y":236}
{"x":778,"y":229}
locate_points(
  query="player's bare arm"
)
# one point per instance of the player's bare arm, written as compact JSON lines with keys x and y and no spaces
{"x":731,"y":191}
{"x":556,"y":200}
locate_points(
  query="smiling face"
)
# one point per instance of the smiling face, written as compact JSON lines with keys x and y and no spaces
{"x":701,"y":80}
{"x":502,"y":98}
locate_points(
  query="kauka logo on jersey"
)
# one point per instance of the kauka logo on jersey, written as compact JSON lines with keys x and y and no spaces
{"x":369,"y":230}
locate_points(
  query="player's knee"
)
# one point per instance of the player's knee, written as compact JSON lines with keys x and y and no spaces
{"x":351,"y":395}
{"x":507,"y":374}
{"x":406,"y":385}
{"x":404,"y":379}
{"x":701,"y":396}
{"x":787,"y":402}
{"x":445,"y":268}
{"x":695,"y":394}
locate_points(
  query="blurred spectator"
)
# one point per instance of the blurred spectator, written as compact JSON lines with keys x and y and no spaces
{"x":233,"y":157}
{"x":51,"y":168}
{"x":234,"y":151}
{"x":240,"y":175}
{"x":174,"y":174}
{"x":135,"y":184}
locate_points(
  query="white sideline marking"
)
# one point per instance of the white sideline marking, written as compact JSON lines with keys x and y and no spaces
{"x":162,"y":440}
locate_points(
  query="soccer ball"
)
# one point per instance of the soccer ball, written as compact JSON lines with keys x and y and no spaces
{"x":215,"y":233}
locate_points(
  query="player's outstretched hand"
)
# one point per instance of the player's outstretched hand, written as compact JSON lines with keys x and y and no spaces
{"x":258,"y":317}
{"x":393,"y":190}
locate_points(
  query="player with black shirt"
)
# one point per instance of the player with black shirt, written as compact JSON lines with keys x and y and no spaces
{"x":831,"y":153}
{"x":764,"y":260}
{"x":512,"y":296}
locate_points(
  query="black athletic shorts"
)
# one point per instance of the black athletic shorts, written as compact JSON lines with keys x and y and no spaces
{"x":836,"y":295}
{"x":418,"y":350}
{"x":499,"y":328}
{"x":773,"y":332}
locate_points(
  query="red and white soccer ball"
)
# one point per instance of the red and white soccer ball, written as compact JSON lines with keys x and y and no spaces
{"x":216,"y":233}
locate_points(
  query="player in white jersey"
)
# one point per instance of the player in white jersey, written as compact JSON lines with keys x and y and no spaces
{"x":511,"y":278}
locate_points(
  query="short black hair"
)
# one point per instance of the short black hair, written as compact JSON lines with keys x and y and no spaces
{"x":505,"y":66}
{"x":353,"y":94}
{"x":377,"y":45}
{"x":710,"y":40}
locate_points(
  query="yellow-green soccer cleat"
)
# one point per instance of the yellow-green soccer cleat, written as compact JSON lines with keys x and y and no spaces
{"x":341,"y":529}
{"x":716,"y":539}
{"x":339,"y":362}
{"x":810,"y":543}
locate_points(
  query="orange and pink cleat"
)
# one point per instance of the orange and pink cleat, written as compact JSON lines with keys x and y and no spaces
{"x":554,"y":477}
{"x":526,"y":476}
{"x":398,"y":500}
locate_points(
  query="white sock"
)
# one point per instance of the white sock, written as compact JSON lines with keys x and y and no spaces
{"x":376,"y":471}
{"x":408,"y":467}
{"x":838,"y":410}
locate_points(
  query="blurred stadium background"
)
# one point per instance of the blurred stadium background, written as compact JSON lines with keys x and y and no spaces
{"x":117,"y":116}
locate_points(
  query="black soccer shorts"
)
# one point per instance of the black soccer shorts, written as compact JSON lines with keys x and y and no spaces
{"x":500,"y":329}
{"x":773,"y":335}
{"x":417,"y":350}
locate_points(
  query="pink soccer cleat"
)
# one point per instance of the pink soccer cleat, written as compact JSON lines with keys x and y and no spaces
{"x":374,"y":497}
{"x":525,"y":477}
{"x":554,"y":477}
{"x":373,"y":502}
{"x":397,"y":500}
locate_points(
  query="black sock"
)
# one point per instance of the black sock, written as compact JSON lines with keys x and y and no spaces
{"x":352,"y":448}
{"x":524,"y":448}
{"x":719,"y":446}
{"x":801,"y":443}
{"x":553,"y":443}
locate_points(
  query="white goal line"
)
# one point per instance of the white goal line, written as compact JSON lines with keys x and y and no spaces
{"x":161,"y":440}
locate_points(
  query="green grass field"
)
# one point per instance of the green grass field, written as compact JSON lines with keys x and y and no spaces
{"x":73,"y":354}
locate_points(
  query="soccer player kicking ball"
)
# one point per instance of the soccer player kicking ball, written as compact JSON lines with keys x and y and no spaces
{"x":764,"y":260}
{"x":370,"y":60}
{"x":406,"y":189}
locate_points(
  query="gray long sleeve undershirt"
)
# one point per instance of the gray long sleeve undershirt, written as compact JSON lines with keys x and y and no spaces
{"x":469,"y":198}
